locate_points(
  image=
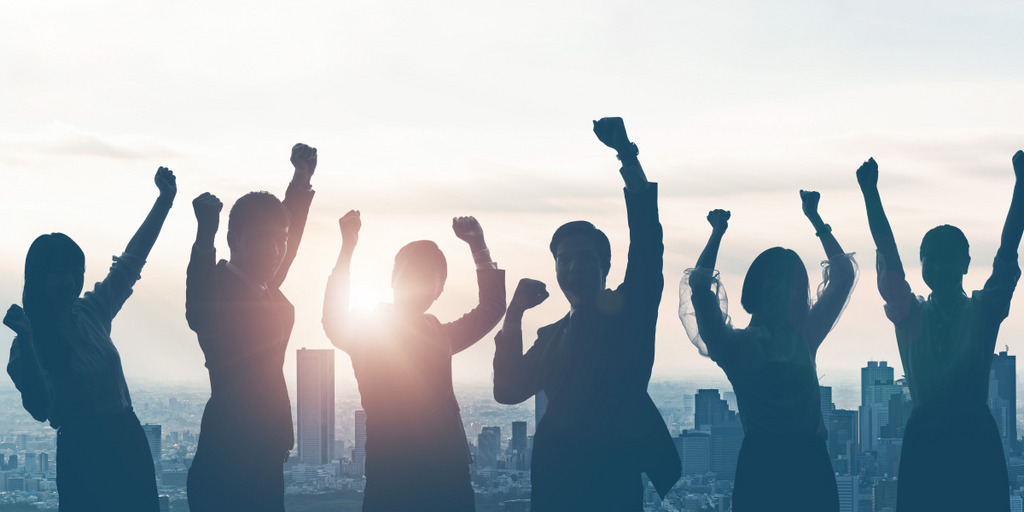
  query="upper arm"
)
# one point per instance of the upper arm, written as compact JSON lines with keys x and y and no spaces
{"x":517,"y":376}
{"x":108,"y":295}
{"x":839,"y":277}
{"x":473,"y":326}
{"x":336,"y":315}
{"x":644,"y":276}
{"x":202,"y":301}
{"x":296,"y":200}
{"x":894,"y":288}
{"x":1000,"y":286}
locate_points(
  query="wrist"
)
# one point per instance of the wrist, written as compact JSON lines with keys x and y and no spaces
{"x":514,"y":314}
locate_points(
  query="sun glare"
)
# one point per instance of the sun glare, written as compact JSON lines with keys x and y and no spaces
{"x":365,"y":297}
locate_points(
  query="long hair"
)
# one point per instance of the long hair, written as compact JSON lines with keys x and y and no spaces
{"x":47,"y":253}
{"x":776,"y":285}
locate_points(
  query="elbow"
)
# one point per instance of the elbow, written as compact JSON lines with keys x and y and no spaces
{"x":505,"y":395}
{"x":36,"y":408}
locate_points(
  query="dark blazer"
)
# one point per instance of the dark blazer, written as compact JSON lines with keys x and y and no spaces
{"x":246,"y":430}
{"x":601,"y":428}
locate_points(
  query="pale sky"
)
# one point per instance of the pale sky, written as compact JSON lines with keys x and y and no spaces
{"x":426,"y":110}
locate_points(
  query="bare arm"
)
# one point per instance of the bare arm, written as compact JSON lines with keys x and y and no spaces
{"x":200,"y":283}
{"x":297,"y":199}
{"x":823,"y":316}
{"x":473,"y":326}
{"x":517,"y":375}
{"x":1013,"y":227}
{"x":336,"y":298}
{"x":710,"y":321}
{"x":892,"y":283}
{"x":143,"y":240}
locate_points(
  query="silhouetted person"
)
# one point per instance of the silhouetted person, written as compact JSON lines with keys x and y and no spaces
{"x":952,"y":457}
{"x":783,"y":463}
{"x":69,"y":372}
{"x":243,"y":322}
{"x":417,"y":457}
{"x":601,"y":429}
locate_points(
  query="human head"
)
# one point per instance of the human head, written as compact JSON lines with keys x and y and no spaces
{"x":945,"y":256}
{"x":258,"y":235}
{"x":54,"y":275}
{"x":776,"y":286}
{"x":418,"y":276}
{"x":582,"y":259}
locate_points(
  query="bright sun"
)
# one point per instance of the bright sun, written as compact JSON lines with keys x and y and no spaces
{"x":365,"y":296}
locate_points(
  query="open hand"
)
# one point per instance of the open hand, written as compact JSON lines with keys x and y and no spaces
{"x":612,"y":132}
{"x":165,"y":182}
{"x":719,"y":220}
{"x":350,"y":224}
{"x":529,"y":293}
{"x":867,"y":174}
{"x":207,"y":208}
{"x":810,"y":200}
{"x":304,"y":158}
{"x":18,"y":321}
{"x":469,"y":230}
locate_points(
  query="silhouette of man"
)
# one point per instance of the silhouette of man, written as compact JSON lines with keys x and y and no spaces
{"x":243,"y":322}
{"x":417,"y":457}
{"x":601,"y":430}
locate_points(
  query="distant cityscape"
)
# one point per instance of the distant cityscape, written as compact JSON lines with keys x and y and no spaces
{"x":864,"y":444}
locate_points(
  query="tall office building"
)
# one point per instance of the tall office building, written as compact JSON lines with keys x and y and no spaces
{"x":315,"y":407}
{"x":876,"y":387}
{"x":1002,"y":398}
{"x":488,"y":446}
{"x":518,"y":446}
{"x":44,"y":462}
{"x":709,"y":409}
{"x":694,"y":448}
{"x":849,"y":493}
{"x":154,"y":435}
{"x":359,"y":451}
{"x":842,"y":441}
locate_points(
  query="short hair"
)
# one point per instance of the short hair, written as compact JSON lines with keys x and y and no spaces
{"x":423,"y":256}
{"x":947,"y":241}
{"x":48,"y":252}
{"x":256,"y":209}
{"x":783,"y":268}
{"x":585,"y":229}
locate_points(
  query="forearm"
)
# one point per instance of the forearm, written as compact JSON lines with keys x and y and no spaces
{"x":34,"y":385}
{"x":144,"y":238}
{"x":709,"y":255}
{"x":508,"y":354}
{"x":336,"y":306}
{"x":881,"y":231}
{"x":632,"y":172}
{"x":824,"y":233}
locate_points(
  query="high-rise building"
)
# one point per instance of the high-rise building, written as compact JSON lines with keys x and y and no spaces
{"x":488,"y":446}
{"x":518,"y":446}
{"x":315,"y":406}
{"x":694,"y":449}
{"x":726,"y":440}
{"x":154,"y":435}
{"x":876,"y":387}
{"x":883,"y":495}
{"x":709,"y":409}
{"x":849,"y":493}
{"x":1002,"y":398}
{"x":44,"y":462}
{"x":30,"y":462}
{"x":359,"y":452}
{"x":842,"y":441}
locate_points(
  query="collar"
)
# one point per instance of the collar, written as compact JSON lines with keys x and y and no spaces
{"x":260,"y":289}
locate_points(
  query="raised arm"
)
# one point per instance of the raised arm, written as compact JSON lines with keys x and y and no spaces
{"x":1005,"y":270}
{"x":336,"y":299}
{"x":466,"y":331}
{"x":840,"y":277}
{"x":517,"y":375}
{"x":644,"y":276}
{"x":143,"y":240}
{"x":712,"y":329}
{"x":1013,"y":227}
{"x":201,"y":300}
{"x":892,"y":283}
{"x":297,"y":199}
{"x":24,"y":367}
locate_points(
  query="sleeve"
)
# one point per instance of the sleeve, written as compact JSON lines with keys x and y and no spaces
{"x":108,"y":295}
{"x":473,"y":326}
{"x":516,"y":375}
{"x":644,"y":281}
{"x":895,"y":290}
{"x":838,"y":277}
{"x":704,"y":312}
{"x":1000,"y":286}
{"x":37,"y":394}
{"x":297,"y":200}
{"x":202,"y":300}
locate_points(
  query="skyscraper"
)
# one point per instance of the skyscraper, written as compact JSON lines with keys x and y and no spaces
{"x":518,"y":446}
{"x":540,"y":405}
{"x":694,"y":449}
{"x":359,"y":452}
{"x":849,"y":493}
{"x":488,"y":446}
{"x":315,"y":407}
{"x":876,"y":387}
{"x":842,"y":441}
{"x":709,"y":409}
{"x":154,"y":435}
{"x":1002,"y":398}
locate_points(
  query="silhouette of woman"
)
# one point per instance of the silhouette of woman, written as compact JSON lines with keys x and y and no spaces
{"x":783,"y":463}
{"x":952,"y":458}
{"x":69,"y":372}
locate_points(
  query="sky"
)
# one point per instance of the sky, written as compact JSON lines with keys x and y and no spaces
{"x":423,"y":111}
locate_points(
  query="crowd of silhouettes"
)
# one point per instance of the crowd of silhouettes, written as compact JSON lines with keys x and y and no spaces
{"x":601,"y":431}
